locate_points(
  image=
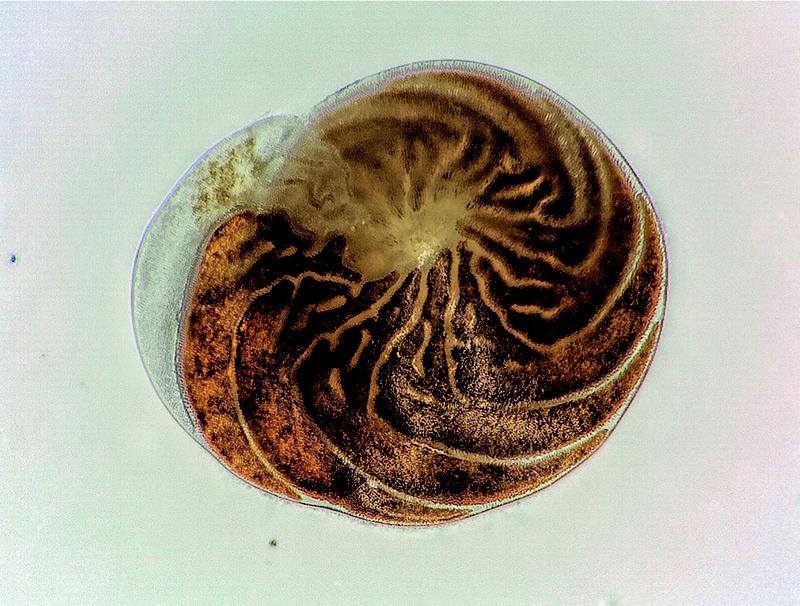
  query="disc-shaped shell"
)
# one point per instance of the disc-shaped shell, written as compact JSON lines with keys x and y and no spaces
{"x":435,"y":293}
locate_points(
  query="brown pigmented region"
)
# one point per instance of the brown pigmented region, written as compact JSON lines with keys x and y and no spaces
{"x":445,"y":300}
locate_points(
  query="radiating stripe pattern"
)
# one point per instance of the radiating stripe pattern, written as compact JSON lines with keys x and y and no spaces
{"x":447,"y":299}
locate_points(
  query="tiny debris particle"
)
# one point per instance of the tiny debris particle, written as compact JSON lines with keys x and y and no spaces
{"x":13,"y":258}
{"x":273,"y":543}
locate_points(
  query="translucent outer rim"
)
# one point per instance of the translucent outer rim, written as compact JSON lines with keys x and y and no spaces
{"x":186,"y":421}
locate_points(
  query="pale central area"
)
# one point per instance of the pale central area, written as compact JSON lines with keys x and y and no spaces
{"x":390,"y":240}
{"x":384,"y":234}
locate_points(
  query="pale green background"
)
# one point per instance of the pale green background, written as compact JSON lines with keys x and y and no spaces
{"x":105,"y":500}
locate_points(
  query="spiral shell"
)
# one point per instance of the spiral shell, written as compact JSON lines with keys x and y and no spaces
{"x":435,"y":293}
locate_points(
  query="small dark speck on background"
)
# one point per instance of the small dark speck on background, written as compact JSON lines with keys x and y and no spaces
{"x":273,"y":543}
{"x":13,"y":258}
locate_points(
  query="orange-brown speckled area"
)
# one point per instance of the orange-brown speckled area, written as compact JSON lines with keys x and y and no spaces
{"x":451,"y":294}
